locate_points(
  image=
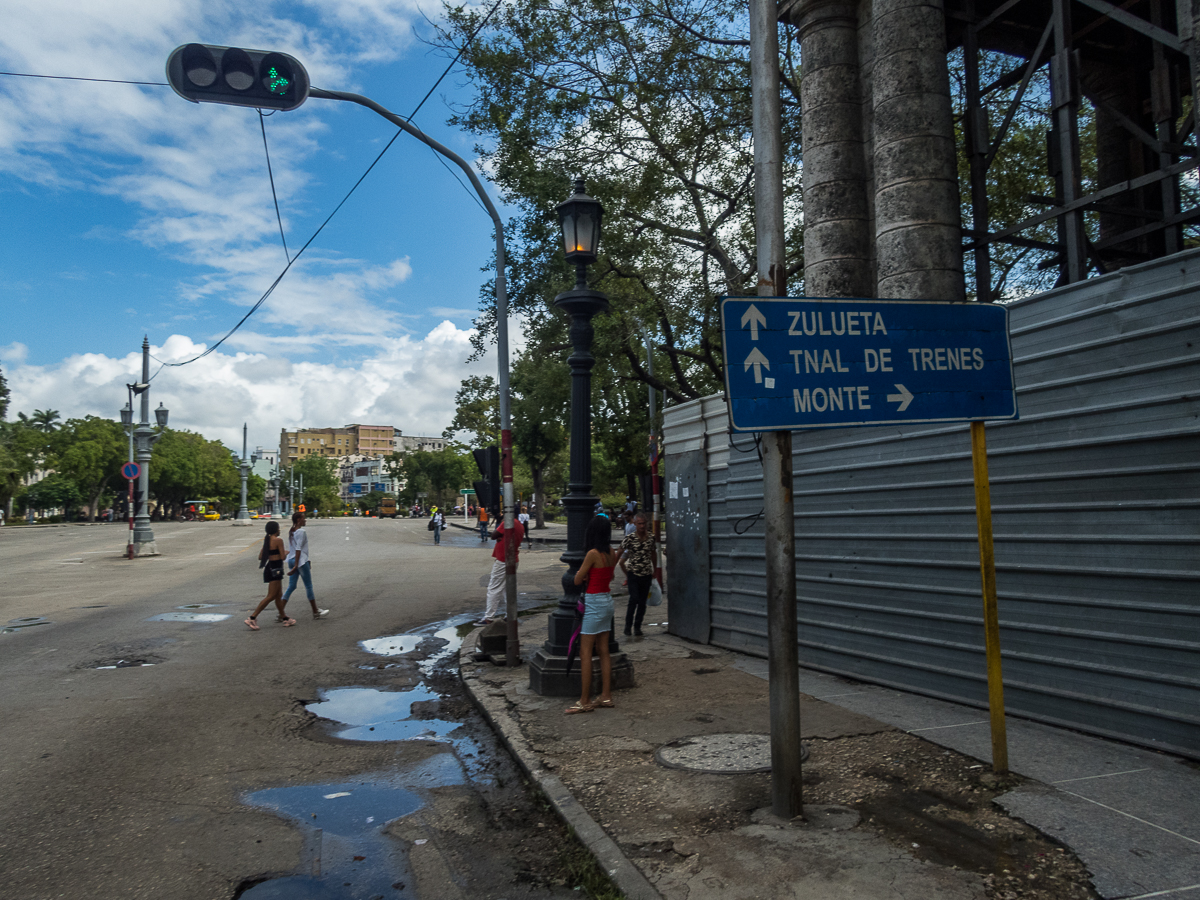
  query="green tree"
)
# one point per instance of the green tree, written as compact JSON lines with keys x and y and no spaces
{"x":440,"y":473}
{"x":256,"y":491}
{"x":90,"y":451}
{"x":653,"y":102}
{"x":55,"y":491}
{"x":321,"y":484}
{"x":4,"y":395}
{"x":185,"y":466}
{"x":541,"y":398}
{"x":10,"y":477}
{"x":476,"y":412}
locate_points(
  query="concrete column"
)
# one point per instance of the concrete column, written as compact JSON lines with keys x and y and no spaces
{"x":837,"y":239}
{"x":918,"y":224}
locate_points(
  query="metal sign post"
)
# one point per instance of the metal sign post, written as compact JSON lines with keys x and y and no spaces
{"x":808,"y":362}
{"x":130,"y":472}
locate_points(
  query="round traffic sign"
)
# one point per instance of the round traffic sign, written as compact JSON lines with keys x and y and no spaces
{"x":131,"y":470}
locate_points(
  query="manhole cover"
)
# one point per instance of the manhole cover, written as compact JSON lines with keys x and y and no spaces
{"x":729,"y":754}
{"x":720,"y":754}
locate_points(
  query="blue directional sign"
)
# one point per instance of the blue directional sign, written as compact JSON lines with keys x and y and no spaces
{"x":131,"y":470}
{"x":809,"y":362}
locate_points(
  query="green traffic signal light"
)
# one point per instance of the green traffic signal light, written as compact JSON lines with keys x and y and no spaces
{"x":207,"y":73}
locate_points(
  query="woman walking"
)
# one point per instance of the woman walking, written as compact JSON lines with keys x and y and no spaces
{"x":437,"y":522}
{"x":300,"y":566}
{"x":639,"y":561}
{"x":270,"y":560}
{"x":597,"y":570}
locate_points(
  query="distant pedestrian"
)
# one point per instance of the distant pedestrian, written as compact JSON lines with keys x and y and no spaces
{"x":270,"y":560}
{"x":629,"y":526}
{"x":523,"y":518}
{"x":483,"y":523}
{"x":639,"y":561}
{"x":495,"y":590}
{"x":597,"y":572}
{"x":299,"y":564}
{"x":438,"y":521}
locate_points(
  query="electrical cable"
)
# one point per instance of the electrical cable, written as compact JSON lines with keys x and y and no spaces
{"x":758,"y":515}
{"x":77,"y":78}
{"x":300,"y":252}
{"x":263,"y":125}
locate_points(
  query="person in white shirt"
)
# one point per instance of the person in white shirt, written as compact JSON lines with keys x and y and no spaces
{"x":299,"y":565}
{"x":523,"y":518}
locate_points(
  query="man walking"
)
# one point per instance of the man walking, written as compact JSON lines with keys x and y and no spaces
{"x":439,"y":522}
{"x":483,"y":522}
{"x":495,"y":590}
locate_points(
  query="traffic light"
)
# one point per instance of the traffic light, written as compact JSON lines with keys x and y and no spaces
{"x":487,"y":491}
{"x":263,"y":79}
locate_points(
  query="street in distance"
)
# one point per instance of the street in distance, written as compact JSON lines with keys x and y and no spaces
{"x":808,"y":362}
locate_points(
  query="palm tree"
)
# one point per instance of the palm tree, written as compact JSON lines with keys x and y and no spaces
{"x":43,"y":420}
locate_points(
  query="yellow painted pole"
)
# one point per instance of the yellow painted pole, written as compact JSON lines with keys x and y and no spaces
{"x":991,"y":619}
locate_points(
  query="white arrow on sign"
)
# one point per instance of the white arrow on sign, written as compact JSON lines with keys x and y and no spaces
{"x":755,"y":318}
{"x":757,"y":360}
{"x":903,"y":398}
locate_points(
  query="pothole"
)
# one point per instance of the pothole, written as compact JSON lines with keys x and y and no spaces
{"x":375,"y":715}
{"x":126,"y":664}
{"x":189,"y":617}
{"x":348,"y":853}
{"x":15,"y":625}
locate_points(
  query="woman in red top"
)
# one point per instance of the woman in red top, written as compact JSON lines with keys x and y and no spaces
{"x":597,"y":570}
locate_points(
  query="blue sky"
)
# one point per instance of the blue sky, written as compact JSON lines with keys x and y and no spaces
{"x":129,"y":211}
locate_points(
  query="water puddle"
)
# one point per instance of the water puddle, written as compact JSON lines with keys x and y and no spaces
{"x":392,"y":646}
{"x":374,"y":715}
{"x":189,"y":617}
{"x":198,"y":606}
{"x":127,"y":664}
{"x":15,"y":625}
{"x":349,"y":854}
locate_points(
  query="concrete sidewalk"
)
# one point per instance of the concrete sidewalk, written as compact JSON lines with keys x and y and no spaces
{"x":898,"y":798}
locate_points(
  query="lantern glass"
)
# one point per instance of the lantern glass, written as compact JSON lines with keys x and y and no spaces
{"x":126,"y":415}
{"x":160,"y":416}
{"x":579,"y":216}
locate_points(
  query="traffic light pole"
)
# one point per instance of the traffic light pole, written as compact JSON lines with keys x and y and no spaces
{"x":512,"y":649}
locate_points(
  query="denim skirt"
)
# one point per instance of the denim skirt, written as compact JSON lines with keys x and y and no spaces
{"x":597,"y":613}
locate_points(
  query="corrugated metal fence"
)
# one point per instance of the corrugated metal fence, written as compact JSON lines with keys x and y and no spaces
{"x":1096,"y":501}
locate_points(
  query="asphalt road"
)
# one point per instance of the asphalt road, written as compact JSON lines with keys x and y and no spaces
{"x":133,"y":782}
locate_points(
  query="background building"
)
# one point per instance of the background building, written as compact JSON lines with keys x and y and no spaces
{"x":367,"y":440}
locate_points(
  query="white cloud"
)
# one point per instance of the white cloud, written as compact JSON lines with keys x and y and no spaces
{"x":410,"y":384}
{"x":196,"y":173}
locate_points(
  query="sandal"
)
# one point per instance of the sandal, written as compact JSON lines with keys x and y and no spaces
{"x":579,"y":708}
{"x":288,"y":623}
{"x":252,"y":623}
{"x":605,"y":704}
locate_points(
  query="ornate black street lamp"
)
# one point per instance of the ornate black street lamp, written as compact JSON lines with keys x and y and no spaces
{"x":141,"y":435}
{"x":579,"y":217}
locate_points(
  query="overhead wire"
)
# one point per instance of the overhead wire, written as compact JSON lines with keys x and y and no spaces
{"x":292,"y":259}
{"x":278,"y":218}
{"x":78,"y":78}
{"x":270,"y":290}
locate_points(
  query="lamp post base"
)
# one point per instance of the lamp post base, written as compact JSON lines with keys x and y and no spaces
{"x":144,"y":548}
{"x":548,"y":674}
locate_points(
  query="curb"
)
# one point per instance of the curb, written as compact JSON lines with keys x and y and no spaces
{"x":624,"y":874}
